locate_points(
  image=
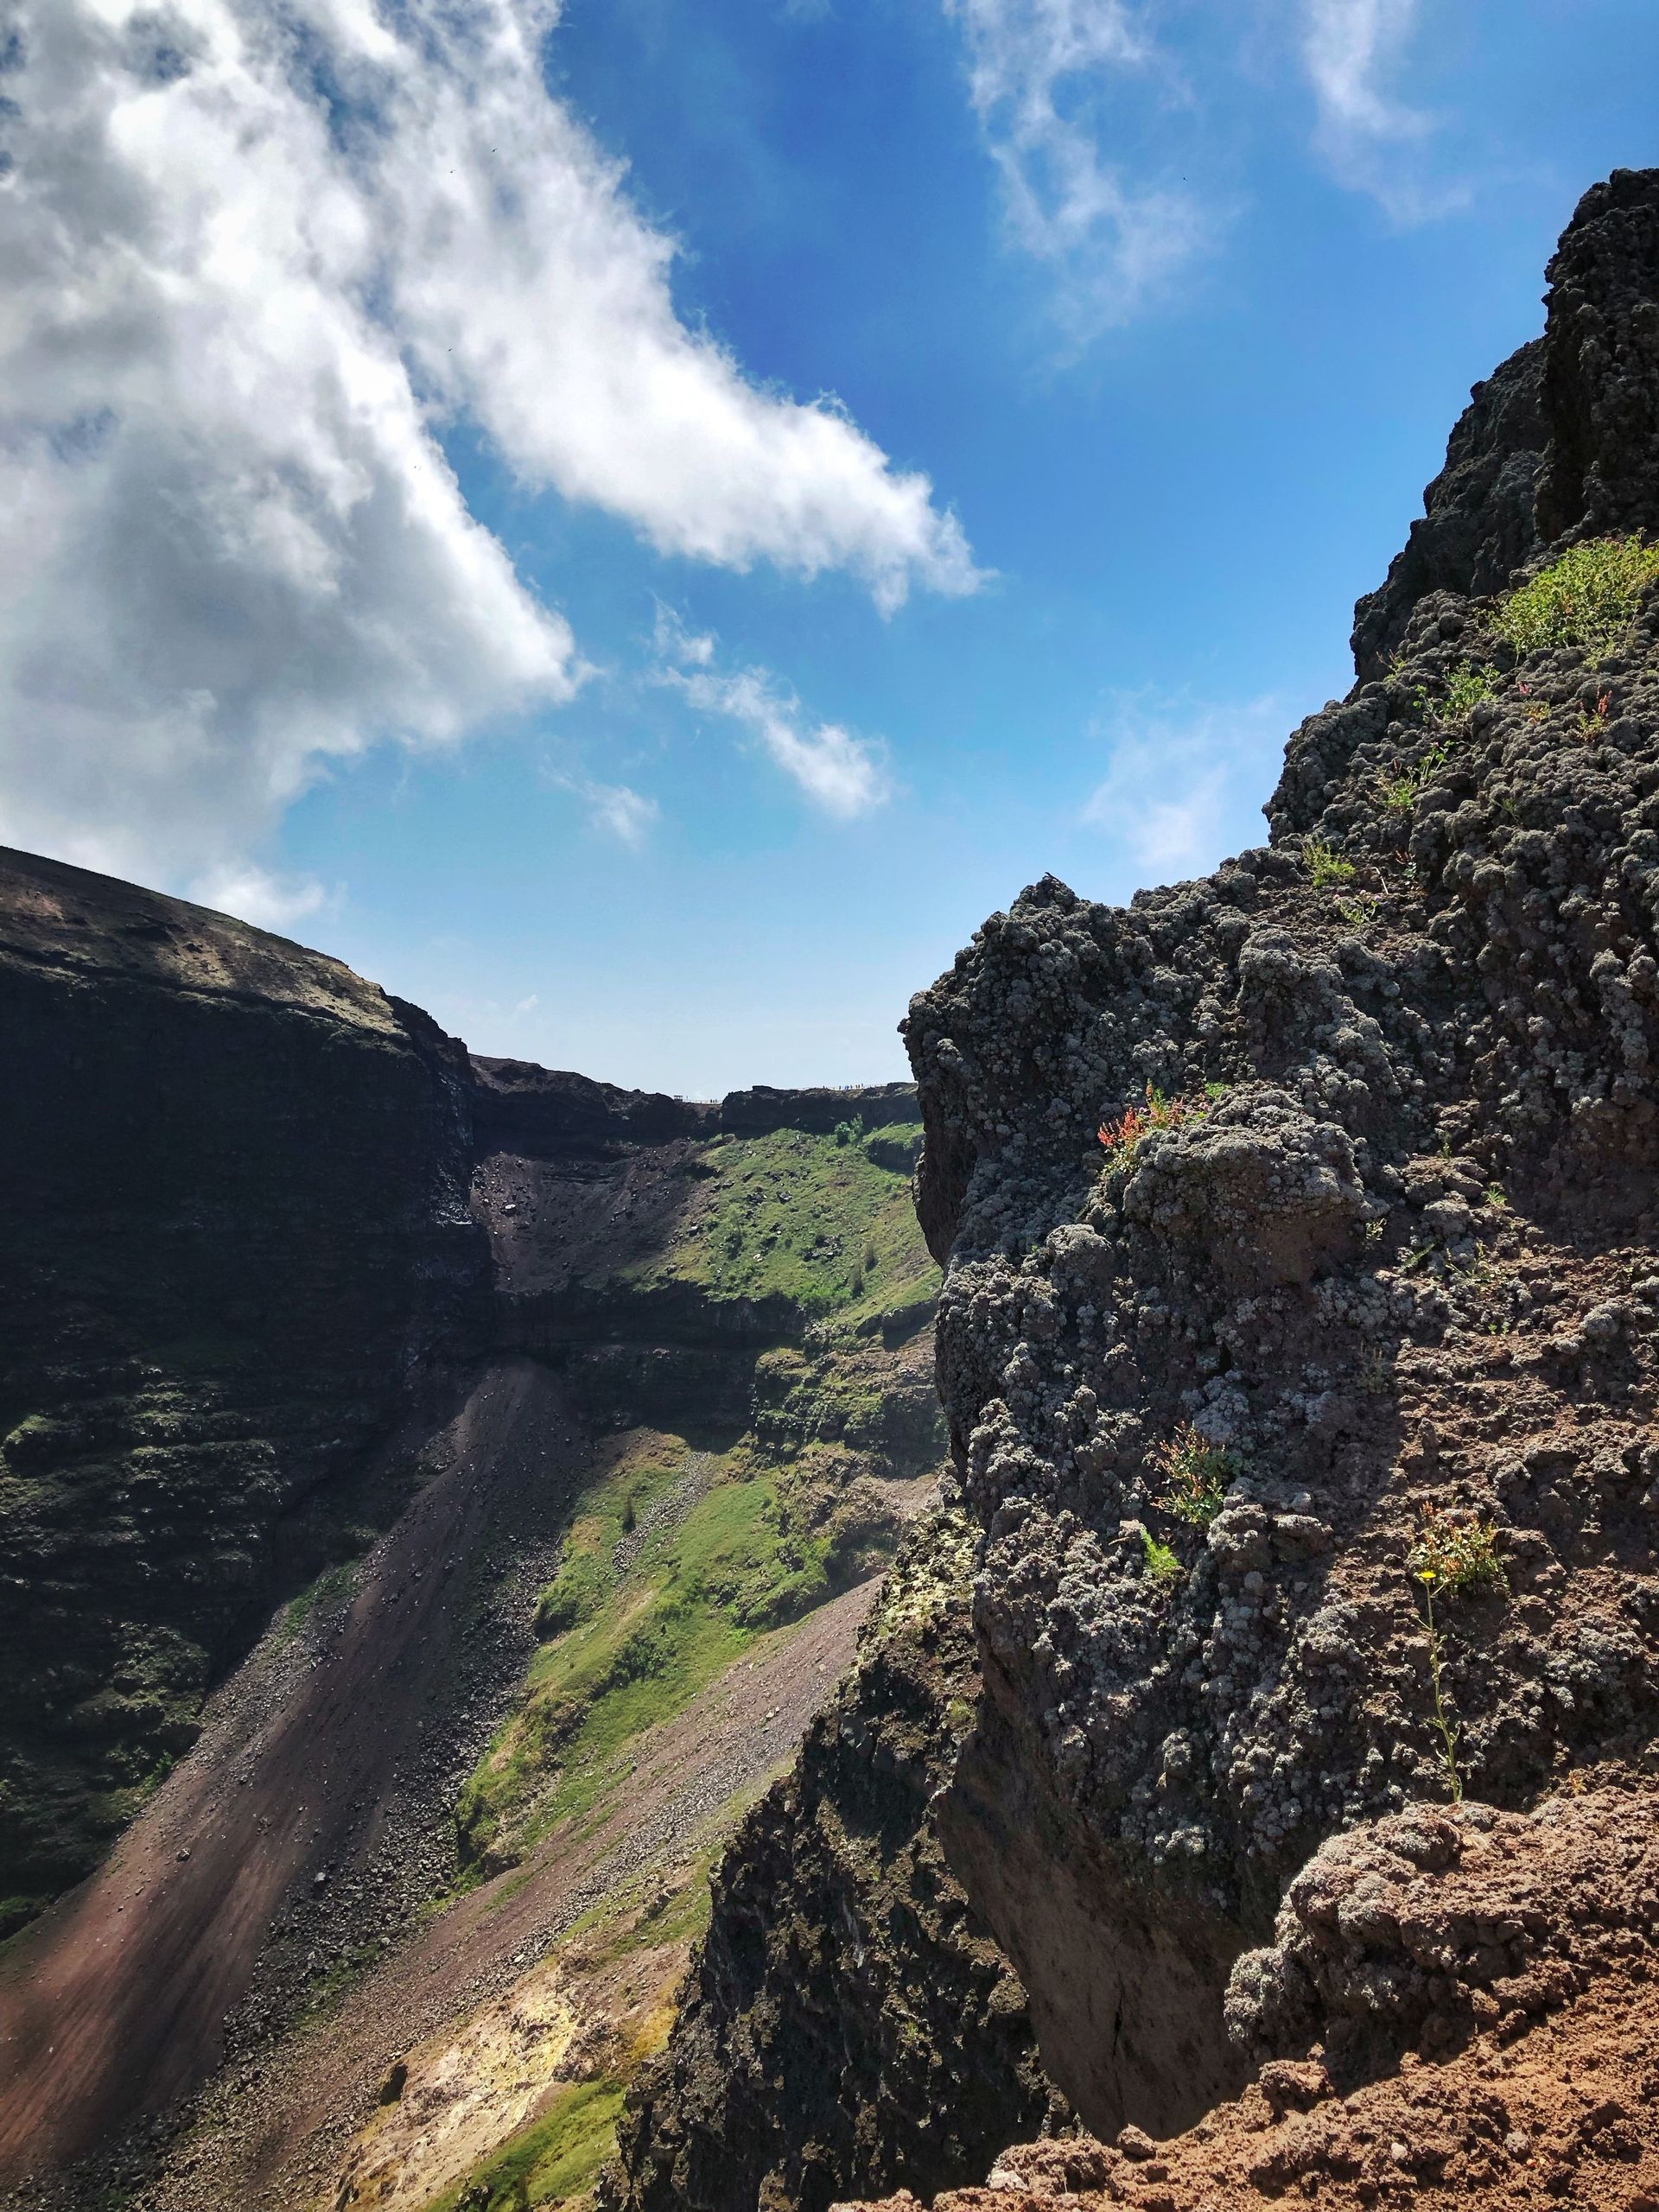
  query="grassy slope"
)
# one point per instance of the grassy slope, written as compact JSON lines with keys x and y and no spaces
{"x":804,"y":1217}
{"x":814,"y":1219}
{"x":715,"y":1548}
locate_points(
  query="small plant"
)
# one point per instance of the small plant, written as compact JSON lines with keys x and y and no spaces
{"x":1588,"y":598}
{"x":1196,"y":1475}
{"x":1593,"y":720}
{"x":1124,"y":1137}
{"x":1358,"y":914}
{"x":1453,"y":1558}
{"x":850,"y":1132}
{"x":1538,"y":711}
{"x":1496,"y":1198}
{"x":1469,"y":682}
{"x":1164,"y":1570}
{"x":1325,"y":865}
{"x":1460,"y":1557}
{"x":1398,"y":789}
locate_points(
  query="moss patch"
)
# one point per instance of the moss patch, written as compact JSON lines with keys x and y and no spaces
{"x":552,"y":2159}
{"x":807,"y":1219}
{"x":637,"y":1632}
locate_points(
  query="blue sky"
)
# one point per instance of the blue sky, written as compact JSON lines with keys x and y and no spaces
{"x":513,"y":573}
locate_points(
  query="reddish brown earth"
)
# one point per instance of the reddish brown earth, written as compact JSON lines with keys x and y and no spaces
{"x":312,"y":1760}
{"x":1567,"y":2116}
{"x":1513,"y":1955}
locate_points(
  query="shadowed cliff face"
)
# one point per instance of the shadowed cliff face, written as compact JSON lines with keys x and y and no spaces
{"x":1368,"y":1254}
{"x":234,"y":1249}
{"x":599,"y":1413}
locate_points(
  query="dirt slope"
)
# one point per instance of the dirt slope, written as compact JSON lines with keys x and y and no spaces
{"x":281,"y":2142}
{"x":316,"y":1772}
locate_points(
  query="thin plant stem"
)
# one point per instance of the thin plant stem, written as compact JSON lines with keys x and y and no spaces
{"x":1445,"y":1726}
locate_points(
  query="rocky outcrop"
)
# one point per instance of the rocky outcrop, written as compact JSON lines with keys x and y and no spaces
{"x":237,"y":1249}
{"x":1370,"y":1260}
{"x":1300,"y":1226}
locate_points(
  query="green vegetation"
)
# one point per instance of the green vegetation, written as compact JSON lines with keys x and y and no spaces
{"x":551,"y":2159}
{"x":1588,"y":598}
{"x":1196,"y":1474}
{"x":1400,"y":788}
{"x":1469,"y":682}
{"x":1459,"y":1559}
{"x":1164,"y":1570}
{"x":813,"y":1219}
{"x":1325,"y":865}
{"x":633,"y":1649}
{"x":1123,"y":1138}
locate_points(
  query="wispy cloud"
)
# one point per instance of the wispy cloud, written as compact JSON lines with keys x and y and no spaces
{"x":1183,"y":780}
{"x":254,"y":895}
{"x":1369,"y":139}
{"x":844,"y":775}
{"x":621,"y":812}
{"x":1041,"y":73}
{"x":253,"y":254}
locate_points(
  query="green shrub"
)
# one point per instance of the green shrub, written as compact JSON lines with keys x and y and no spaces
{"x":1469,"y":682}
{"x":1588,"y":598}
{"x":1325,"y":865}
{"x":1196,"y":1473}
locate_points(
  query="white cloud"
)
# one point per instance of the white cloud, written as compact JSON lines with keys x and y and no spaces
{"x":249,"y":254}
{"x":1038,"y":74}
{"x":1183,"y":780}
{"x":621,"y":812}
{"x":254,"y":895}
{"x":1370,"y":140}
{"x":845,"y":775}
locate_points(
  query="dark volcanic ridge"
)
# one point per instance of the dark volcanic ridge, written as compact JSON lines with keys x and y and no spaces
{"x":1297,"y":1346}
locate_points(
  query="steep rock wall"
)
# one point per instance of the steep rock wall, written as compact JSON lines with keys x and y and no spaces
{"x":849,"y":2014}
{"x":235,"y":1248}
{"x":1386,"y":1254}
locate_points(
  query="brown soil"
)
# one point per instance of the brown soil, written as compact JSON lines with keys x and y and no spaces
{"x":1566,"y":2115}
{"x":1518,"y":1951}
